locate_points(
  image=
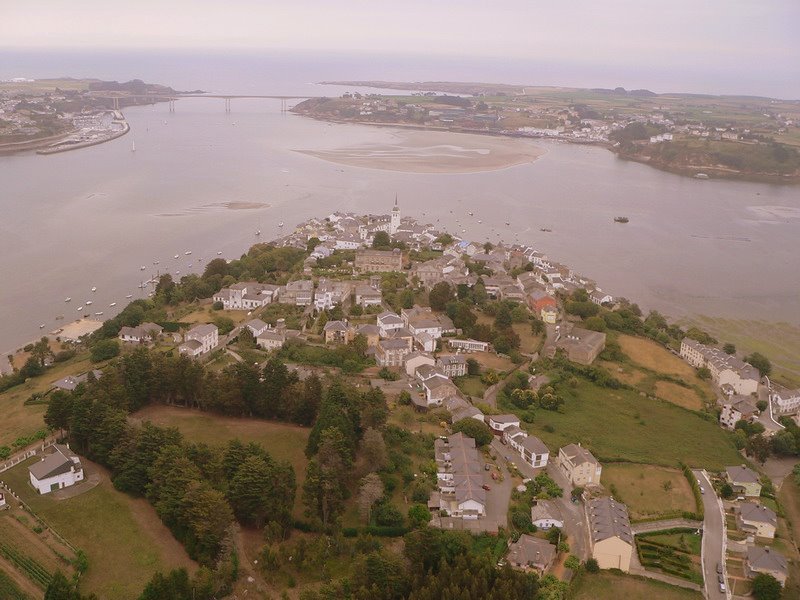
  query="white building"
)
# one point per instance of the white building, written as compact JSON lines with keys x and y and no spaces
{"x":545,"y":514}
{"x":388,"y":322}
{"x":784,"y":402}
{"x":200,"y":340}
{"x":499,"y":423}
{"x":469,"y":345}
{"x":534,"y":452}
{"x":725,"y":369}
{"x":460,"y":477}
{"x":55,"y":471}
{"x":143,"y":333}
{"x":256,"y":327}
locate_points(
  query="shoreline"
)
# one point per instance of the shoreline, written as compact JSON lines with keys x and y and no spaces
{"x":56,"y":149}
{"x":690,"y":172}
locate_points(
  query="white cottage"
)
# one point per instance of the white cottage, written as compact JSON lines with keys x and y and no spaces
{"x":58,"y":470}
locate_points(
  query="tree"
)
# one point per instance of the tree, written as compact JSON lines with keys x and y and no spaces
{"x":440,"y":295}
{"x":729,"y":348}
{"x":418,"y":516}
{"x":592,"y":566}
{"x":369,"y":492}
{"x":595,"y":324}
{"x":766,"y":587}
{"x":503,"y":318}
{"x":373,"y":449}
{"x":104,"y":350}
{"x":312,"y":243}
{"x":262,"y":490}
{"x":760,"y":362}
{"x":387,"y":515}
{"x":475,"y":429}
{"x":758,"y":447}
{"x":704,"y":373}
{"x":382,"y":241}
{"x":59,"y":410}
{"x":41,"y":351}
{"x":726,"y":491}
{"x":246,"y":339}
{"x":572,"y":562}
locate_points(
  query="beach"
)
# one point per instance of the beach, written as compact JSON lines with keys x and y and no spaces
{"x":415,"y":151}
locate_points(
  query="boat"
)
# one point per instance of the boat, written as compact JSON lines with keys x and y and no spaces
{"x":546,"y":230}
{"x":701,"y":176}
{"x":67,"y":299}
{"x":176,"y":256}
{"x":80,"y":308}
{"x":41,"y":326}
{"x":88,"y":303}
{"x":280,"y":224}
{"x":470,"y":213}
{"x":177,"y":272}
{"x":507,"y":223}
{"x":133,"y":146}
{"x":142,"y":268}
{"x":155,"y":262}
{"x":219,"y":253}
{"x":129,"y":296}
{"x":258,"y":232}
{"x":98,"y":314}
{"x":479,"y":222}
{"x":113,"y":304}
{"x":621,"y":219}
{"x":188,"y":252}
{"x":59,"y":317}
{"x":94,"y":289}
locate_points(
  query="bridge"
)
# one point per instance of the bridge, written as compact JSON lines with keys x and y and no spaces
{"x":153,"y":98}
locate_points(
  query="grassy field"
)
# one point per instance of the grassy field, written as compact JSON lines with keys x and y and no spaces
{"x":613,"y":586}
{"x":471,"y":385}
{"x":122,"y":536}
{"x":18,"y":419}
{"x":789,"y":532}
{"x":282,"y":440}
{"x":642,"y":489}
{"x":780,"y":342}
{"x":623,"y":425}
{"x":647,"y":364}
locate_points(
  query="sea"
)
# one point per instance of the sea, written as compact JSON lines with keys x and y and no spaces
{"x":201,"y":182}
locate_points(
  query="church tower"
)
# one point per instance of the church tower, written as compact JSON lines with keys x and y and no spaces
{"x":395,"y":223}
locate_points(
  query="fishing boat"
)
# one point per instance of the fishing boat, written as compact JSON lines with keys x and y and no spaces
{"x":470,"y":213}
{"x":176,"y":256}
{"x":129,"y":296}
{"x":99,"y":314}
{"x":142,"y":268}
{"x":67,"y":299}
{"x":41,"y":326}
{"x":155,"y":262}
{"x":219,"y":253}
{"x":258,"y":232}
{"x":112,"y":305}
{"x":621,"y":219}
{"x":546,"y":230}
{"x":80,"y":308}
{"x":280,"y":224}
{"x":94,"y":289}
{"x":188,"y":252}
{"x":88,"y":303}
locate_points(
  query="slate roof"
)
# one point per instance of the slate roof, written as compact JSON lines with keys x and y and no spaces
{"x":579,"y":455}
{"x":546,"y":509}
{"x":529,"y":550}
{"x":758,"y":513}
{"x":766,"y":559}
{"x":741,"y":474}
{"x":57,"y":463}
{"x":609,"y":518}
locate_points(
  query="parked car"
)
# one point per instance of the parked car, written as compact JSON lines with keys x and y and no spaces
{"x":722,"y":587}
{"x":719,"y":568}
{"x":486,"y":487}
{"x":487,"y":467}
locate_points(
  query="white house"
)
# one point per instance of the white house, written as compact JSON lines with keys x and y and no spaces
{"x":387,"y":322}
{"x":415,"y":360}
{"x":513,"y":436}
{"x":256,"y":327}
{"x":546,"y":514}
{"x":499,"y":423}
{"x":200,"y":340}
{"x":143,"y":333}
{"x":534,"y":452}
{"x":366,"y":295}
{"x":459,"y":477}
{"x":271,"y":339}
{"x":55,"y":471}
{"x":2,"y":500}
{"x":425,"y":341}
{"x":469,"y":345}
{"x":784,"y":402}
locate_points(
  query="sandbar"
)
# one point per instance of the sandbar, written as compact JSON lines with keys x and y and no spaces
{"x":434,"y":152}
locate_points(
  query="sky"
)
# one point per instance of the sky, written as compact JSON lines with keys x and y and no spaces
{"x":749,"y":39}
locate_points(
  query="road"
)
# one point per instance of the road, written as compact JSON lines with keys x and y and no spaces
{"x":713,"y":539}
{"x":574,"y":517}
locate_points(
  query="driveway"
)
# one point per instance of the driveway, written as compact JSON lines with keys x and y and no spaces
{"x":574,"y":517}
{"x":713,"y":539}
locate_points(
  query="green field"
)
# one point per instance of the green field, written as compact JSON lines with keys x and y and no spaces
{"x":649,"y":490}
{"x":608,"y":585}
{"x":122,"y":537}
{"x":622,"y":425}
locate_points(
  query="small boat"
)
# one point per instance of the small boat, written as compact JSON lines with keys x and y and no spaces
{"x":88,"y":303}
{"x":129,"y":296}
{"x":188,"y":252}
{"x":112,"y":305}
{"x":94,"y":289}
{"x":280,"y":224}
{"x":621,"y":219}
{"x":176,"y":256}
{"x":219,"y":253}
{"x":155,"y":262}
{"x":142,"y":268}
{"x":41,"y":326}
{"x":470,"y":213}
{"x":507,"y":223}
{"x":67,"y":299}
{"x":258,"y":232}
{"x":479,"y":222}
{"x":133,"y":146}
{"x":59,"y":317}
{"x":545,"y":229}
{"x":98,"y":314}
{"x":701,"y":176}
{"x":80,"y":308}
{"x":177,"y":272}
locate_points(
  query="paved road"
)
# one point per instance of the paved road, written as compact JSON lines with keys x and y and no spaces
{"x":574,"y":517}
{"x":713,"y":539}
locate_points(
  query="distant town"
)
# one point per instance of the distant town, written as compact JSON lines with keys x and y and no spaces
{"x":702,"y":136}
{"x":399,"y":381}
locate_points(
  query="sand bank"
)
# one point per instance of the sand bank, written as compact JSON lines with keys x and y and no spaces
{"x":434,"y":152}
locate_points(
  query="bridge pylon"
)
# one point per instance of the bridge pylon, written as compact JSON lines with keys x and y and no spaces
{"x":283,"y":105}
{"x":172,"y":105}
{"x":227,"y":105}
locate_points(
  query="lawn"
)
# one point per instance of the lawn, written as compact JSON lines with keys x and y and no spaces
{"x":675,"y":554}
{"x":122,"y":536}
{"x":20,"y":420}
{"x":677,"y":394}
{"x":642,"y":489}
{"x":608,"y":585}
{"x":789,"y":497}
{"x":685,"y":542}
{"x":655,"y":357}
{"x":471,"y":385}
{"x":623,"y":425}
{"x":282,"y":440}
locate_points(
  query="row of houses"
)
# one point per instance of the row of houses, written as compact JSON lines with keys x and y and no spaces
{"x":250,"y":295}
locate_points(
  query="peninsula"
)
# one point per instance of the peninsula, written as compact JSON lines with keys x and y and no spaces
{"x":736,"y":137}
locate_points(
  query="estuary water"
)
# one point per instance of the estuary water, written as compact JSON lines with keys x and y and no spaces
{"x":203,"y":181}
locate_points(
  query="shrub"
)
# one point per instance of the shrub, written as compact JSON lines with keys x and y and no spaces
{"x":592,"y":566}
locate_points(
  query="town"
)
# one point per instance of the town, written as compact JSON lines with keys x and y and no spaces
{"x":419,"y":386}
{"x":700,"y":136}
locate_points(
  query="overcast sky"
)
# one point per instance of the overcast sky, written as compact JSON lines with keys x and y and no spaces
{"x":745,"y":36}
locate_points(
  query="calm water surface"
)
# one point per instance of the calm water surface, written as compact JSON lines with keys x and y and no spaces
{"x":93,"y":217}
